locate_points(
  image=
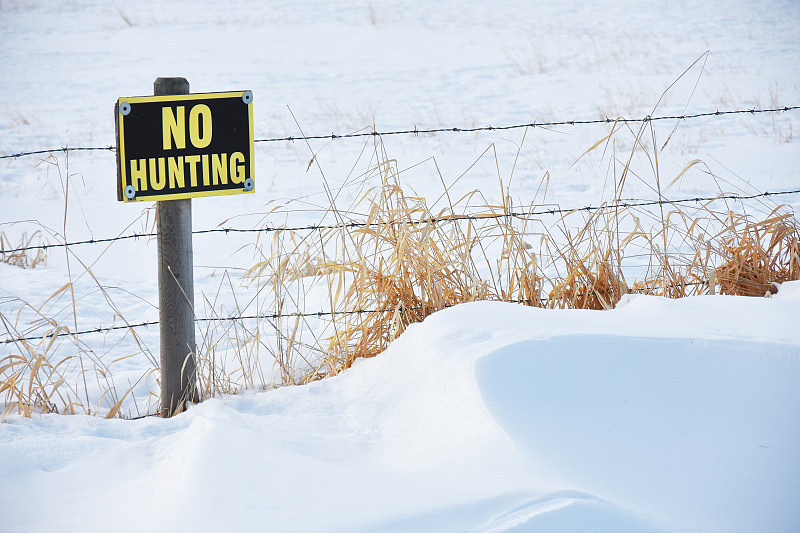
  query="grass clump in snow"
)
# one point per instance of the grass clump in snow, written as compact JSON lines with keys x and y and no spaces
{"x":759,"y":255}
{"x":590,"y":283}
{"x":403,"y":264}
{"x":23,"y":258}
{"x":37,"y":377}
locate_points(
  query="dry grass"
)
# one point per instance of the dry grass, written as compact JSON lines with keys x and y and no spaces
{"x":36,"y":376}
{"x":31,"y":382}
{"x":591,"y":283}
{"x":404,"y":264}
{"x":759,"y":255}
{"x":409,"y":262}
{"x":23,"y":258}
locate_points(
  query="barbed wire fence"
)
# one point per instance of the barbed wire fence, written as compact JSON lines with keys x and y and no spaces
{"x":454,"y":129}
{"x":475,"y":216}
{"x":362,"y":225}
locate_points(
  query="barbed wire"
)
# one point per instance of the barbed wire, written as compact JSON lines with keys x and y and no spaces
{"x":64,"y":149}
{"x":534,"y":124}
{"x":75,"y":243}
{"x":416,"y":131}
{"x":444,"y":218}
{"x":107,"y":329}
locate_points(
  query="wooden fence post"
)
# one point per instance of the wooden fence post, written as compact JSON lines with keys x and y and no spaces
{"x":175,"y":289}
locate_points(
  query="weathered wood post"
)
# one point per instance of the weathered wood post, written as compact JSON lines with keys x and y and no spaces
{"x":175,"y":289}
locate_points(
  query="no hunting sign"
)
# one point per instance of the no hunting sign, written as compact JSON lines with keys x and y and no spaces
{"x":184,"y":146}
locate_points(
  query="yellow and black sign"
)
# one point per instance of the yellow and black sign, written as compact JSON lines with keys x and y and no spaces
{"x":183,"y":146}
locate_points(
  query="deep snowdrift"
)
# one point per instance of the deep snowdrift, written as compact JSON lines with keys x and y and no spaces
{"x":661,"y":415}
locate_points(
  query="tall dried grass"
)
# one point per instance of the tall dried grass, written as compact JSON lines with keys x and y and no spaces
{"x":405,"y":264}
{"x":409,"y":262}
{"x":36,"y":376}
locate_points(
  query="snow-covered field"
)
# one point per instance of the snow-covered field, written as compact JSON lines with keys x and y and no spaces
{"x":660,"y":415}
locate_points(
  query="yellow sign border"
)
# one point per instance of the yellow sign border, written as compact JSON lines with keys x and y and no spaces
{"x":178,"y":98}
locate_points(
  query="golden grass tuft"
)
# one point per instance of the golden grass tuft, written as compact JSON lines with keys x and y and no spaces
{"x":406,"y":265}
{"x":590,"y":283}
{"x":30,"y":381}
{"x":36,"y":376}
{"x":759,"y":256}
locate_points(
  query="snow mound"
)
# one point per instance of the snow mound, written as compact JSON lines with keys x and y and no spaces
{"x":696,"y":435}
{"x":486,"y":417}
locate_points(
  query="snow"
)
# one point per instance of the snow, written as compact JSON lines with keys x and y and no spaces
{"x":660,"y":415}
{"x":485,"y":417}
